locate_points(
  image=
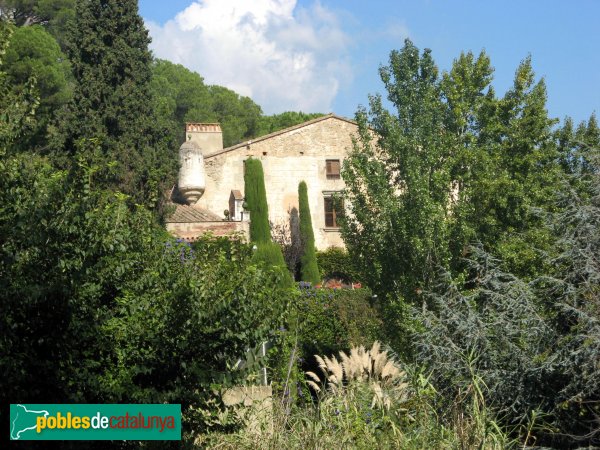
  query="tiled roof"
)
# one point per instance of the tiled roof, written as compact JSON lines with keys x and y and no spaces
{"x":189,"y":214}
{"x":237,"y":194}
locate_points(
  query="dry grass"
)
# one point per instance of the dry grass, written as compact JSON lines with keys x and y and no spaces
{"x":366,"y":400}
{"x":382,"y":374}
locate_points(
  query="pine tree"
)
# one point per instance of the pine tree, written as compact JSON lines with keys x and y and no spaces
{"x":309,"y":269}
{"x":34,"y":53}
{"x":256,"y":200}
{"x":17,"y":106}
{"x":108,"y":49}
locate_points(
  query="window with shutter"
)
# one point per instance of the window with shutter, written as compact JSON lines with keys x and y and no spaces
{"x":333,"y":169}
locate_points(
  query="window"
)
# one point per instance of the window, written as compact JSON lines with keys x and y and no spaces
{"x":331,"y":215}
{"x":333,"y":169}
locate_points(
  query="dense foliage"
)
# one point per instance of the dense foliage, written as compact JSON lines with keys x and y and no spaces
{"x":17,"y":106}
{"x":269,"y":254}
{"x":55,"y":15}
{"x":333,"y":320}
{"x":180,"y":96}
{"x":309,"y":270}
{"x":454,"y":165}
{"x":337,"y":263}
{"x":108,"y":50}
{"x":99,"y":304}
{"x":276,"y":122}
{"x":532,"y":344}
{"x":463,"y":164}
{"x":34,"y":53}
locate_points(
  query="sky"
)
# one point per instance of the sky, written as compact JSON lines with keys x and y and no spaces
{"x":324,"y":56}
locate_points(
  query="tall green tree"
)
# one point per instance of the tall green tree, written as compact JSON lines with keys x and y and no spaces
{"x":309,"y":269}
{"x":453,"y":164}
{"x":256,"y":201}
{"x":181,"y":96}
{"x":176,"y":91}
{"x":108,"y":49}
{"x":507,"y":198}
{"x":238,"y":115}
{"x":34,"y":53}
{"x":265,"y":250}
{"x":17,"y":106}
{"x":574,"y":145}
{"x":398,"y":179}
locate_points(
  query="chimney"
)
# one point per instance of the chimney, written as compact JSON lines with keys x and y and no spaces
{"x":208,"y":136}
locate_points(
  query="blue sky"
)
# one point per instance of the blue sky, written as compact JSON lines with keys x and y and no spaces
{"x":324,"y":56}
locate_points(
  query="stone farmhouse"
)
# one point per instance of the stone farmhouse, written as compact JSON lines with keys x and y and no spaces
{"x":209,"y":195}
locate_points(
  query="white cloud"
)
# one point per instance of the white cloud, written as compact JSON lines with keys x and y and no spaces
{"x":283,"y":56}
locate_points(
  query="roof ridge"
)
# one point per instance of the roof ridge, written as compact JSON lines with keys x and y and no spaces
{"x":279,"y":132}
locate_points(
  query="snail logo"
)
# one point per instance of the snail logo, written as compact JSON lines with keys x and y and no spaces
{"x":23,"y":419}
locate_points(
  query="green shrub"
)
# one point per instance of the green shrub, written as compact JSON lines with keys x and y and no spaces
{"x":233,"y":247}
{"x":309,"y":270}
{"x":333,"y":320}
{"x":98,"y":304}
{"x":256,"y":200}
{"x":336,"y":263}
{"x":534,"y":346}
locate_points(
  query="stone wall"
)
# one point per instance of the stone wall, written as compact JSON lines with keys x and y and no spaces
{"x":288,"y":157}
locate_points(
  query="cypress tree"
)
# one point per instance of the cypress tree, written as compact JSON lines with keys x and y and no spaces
{"x":309,"y":270}
{"x":267,"y":251}
{"x":256,"y":199}
{"x":111,"y":62}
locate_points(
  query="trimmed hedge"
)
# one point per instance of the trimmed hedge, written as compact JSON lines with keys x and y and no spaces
{"x":337,"y":263}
